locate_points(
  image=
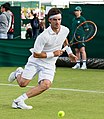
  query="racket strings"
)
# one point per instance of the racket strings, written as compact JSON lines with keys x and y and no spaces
{"x":90,"y":32}
{"x":85,"y":32}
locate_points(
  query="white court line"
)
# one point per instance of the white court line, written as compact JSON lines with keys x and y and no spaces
{"x":61,"y":89}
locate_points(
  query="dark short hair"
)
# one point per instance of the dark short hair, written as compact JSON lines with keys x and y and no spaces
{"x":6,"y":6}
{"x":7,"y":3}
{"x":53,"y":11}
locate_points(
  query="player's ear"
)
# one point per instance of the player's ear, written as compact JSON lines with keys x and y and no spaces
{"x":49,"y":20}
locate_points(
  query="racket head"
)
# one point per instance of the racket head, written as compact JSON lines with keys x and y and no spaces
{"x":85,"y":32}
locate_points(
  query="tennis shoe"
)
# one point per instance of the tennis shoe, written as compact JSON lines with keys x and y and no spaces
{"x":83,"y":67}
{"x":12,"y":76}
{"x":20,"y":105}
{"x":76,"y":67}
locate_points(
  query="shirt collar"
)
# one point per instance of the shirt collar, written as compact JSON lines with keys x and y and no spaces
{"x":51,"y":31}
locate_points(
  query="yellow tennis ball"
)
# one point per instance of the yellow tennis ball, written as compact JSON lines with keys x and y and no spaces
{"x":61,"y":114}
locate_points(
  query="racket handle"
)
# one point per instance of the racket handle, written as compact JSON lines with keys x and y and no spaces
{"x":31,"y":50}
{"x":65,"y":48}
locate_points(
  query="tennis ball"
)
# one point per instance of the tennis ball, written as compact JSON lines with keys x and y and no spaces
{"x":61,"y":114}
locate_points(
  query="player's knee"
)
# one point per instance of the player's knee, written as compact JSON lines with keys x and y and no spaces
{"x":83,"y":52}
{"x":46,"y":84}
{"x":77,"y":51}
{"x":23,"y":83}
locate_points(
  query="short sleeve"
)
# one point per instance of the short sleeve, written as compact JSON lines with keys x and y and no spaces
{"x":39,"y":44}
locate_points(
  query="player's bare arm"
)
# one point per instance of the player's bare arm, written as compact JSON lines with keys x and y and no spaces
{"x":44,"y":54}
{"x":72,"y":57}
{"x":66,"y":42}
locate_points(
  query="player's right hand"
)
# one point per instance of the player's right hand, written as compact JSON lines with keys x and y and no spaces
{"x":58,"y":53}
{"x":73,"y":58}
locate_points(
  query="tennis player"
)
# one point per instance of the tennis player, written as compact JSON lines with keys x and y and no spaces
{"x":47,"y":49}
{"x":80,"y":47}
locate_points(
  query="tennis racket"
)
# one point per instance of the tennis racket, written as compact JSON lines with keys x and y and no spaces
{"x":85,"y":32}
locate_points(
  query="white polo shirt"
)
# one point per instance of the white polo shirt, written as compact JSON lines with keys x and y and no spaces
{"x":48,"y":41}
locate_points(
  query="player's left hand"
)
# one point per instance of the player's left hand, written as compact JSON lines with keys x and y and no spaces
{"x":72,"y":57}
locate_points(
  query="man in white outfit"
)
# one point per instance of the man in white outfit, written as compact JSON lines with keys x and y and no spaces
{"x":47,"y":48}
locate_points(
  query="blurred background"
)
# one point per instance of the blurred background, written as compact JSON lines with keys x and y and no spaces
{"x":15,"y":52}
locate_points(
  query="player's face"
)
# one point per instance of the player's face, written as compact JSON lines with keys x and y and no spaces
{"x":55,"y":22}
{"x":77,"y":13}
{"x":2,"y":9}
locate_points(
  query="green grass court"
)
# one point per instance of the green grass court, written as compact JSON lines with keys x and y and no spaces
{"x":79,"y":93}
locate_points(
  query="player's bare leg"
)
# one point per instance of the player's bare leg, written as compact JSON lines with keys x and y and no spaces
{"x":83,"y":52}
{"x":41,"y":87}
{"x":21,"y":81}
{"x":77,"y":66}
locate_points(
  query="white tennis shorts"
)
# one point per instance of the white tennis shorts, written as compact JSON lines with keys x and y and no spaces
{"x":31,"y":70}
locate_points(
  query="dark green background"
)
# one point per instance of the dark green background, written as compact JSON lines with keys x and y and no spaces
{"x":17,"y":21}
{"x":94,"y":48}
{"x":16,"y":52}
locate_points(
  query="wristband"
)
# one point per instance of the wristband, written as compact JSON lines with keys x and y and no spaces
{"x":50,"y":54}
{"x":68,"y":50}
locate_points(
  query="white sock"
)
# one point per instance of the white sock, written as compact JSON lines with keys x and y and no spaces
{"x":78,"y":62}
{"x":84,"y":62}
{"x":22,"y":98}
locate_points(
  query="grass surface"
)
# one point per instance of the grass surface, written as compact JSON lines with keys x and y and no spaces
{"x":80,"y":94}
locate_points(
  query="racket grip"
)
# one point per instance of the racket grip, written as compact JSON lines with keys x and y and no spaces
{"x":65,"y":48}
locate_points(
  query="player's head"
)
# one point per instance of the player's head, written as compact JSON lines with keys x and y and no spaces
{"x":77,"y":10}
{"x":5,"y":7}
{"x":7,"y":3}
{"x":53,"y":11}
{"x":54,"y":17}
